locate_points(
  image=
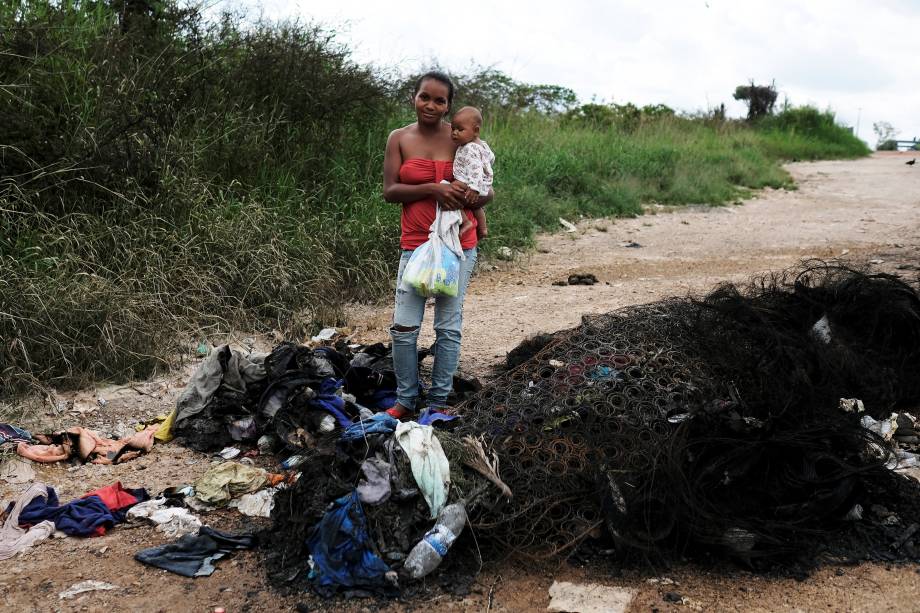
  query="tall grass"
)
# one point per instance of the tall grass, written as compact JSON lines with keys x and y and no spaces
{"x":162,"y":175}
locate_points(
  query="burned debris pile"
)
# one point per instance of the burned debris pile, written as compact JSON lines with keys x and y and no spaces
{"x":754,"y":422}
{"x":712,"y":422}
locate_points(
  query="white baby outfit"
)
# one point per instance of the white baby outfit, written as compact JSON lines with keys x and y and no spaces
{"x":472,"y":165}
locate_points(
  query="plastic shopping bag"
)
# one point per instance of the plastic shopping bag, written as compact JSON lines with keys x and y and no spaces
{"x":433,"y":270}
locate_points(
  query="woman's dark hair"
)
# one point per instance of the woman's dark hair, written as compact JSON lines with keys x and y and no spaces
{"x":437,"y":75}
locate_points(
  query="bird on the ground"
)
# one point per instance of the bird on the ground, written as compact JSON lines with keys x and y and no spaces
{"x":912,"y":162}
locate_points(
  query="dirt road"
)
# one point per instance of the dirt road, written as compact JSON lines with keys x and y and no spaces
{"x":866,"y":210}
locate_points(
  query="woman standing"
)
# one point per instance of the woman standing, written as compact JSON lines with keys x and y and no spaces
{"x":418,"y":157}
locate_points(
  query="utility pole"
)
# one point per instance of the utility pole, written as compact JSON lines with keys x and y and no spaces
{"x":858,"y":113}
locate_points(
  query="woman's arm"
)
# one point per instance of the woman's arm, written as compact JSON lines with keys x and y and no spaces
{"x":394,"y":191}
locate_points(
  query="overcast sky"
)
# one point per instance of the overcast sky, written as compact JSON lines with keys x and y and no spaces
{"x":689,"y":54}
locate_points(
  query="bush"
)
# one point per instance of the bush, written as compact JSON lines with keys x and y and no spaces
{"x":161,"y":174}
{"x":807,"y":133}
{"x":888,"y":145}
{"x":626,"y":117}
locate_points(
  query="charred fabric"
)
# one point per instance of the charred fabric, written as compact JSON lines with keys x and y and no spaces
{"x":711,"y":424}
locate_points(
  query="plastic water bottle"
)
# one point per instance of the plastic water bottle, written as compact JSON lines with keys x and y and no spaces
{"x":428,"y":552}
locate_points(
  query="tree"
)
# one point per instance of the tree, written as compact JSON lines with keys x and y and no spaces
{"x":886,"y":134}
{"x":759,"y":98}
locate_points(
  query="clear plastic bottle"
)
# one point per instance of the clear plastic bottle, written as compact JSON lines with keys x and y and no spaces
{"x":428,"y":552}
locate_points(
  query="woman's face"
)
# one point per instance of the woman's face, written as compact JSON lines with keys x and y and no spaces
{"x":431,"y":101}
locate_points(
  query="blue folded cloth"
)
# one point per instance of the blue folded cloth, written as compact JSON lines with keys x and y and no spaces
{"x":432,"y":414}
{"x":380,"y":423}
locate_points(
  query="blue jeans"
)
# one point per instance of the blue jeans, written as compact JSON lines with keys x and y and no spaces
{"x":407,"y":319}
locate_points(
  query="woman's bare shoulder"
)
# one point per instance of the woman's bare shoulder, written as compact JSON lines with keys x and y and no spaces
{"x":399,"y":133}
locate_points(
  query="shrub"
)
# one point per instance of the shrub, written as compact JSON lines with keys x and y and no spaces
{"x":818,"y":130}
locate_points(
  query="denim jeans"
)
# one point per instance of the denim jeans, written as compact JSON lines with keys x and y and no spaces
{"x":448,"y":319}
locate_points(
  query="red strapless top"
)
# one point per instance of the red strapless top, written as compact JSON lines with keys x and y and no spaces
{"x":418,"y":216}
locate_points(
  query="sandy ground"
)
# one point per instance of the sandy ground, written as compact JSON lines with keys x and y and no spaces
{"x":866,"y":210}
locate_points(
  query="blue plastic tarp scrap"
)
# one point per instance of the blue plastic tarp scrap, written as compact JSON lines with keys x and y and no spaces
{"x":342,"y":550}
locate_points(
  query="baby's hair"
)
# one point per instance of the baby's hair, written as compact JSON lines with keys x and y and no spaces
{"x":471,"y":110}
{"x":437,"y":75}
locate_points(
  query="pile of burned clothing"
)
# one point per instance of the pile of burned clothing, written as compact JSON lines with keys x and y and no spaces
{"x":697,"y":425}
{"x":386,"y":503}
{"x":297,"y":396}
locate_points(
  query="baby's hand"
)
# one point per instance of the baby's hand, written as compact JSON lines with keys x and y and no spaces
{"x":470,"y":196}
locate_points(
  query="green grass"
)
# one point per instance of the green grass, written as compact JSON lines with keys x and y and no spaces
{"x":165,"y":177}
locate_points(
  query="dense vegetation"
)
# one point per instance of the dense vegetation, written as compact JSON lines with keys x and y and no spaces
{"x":162,"y":174}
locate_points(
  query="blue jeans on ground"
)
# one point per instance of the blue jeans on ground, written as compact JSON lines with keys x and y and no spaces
{"x":448,"y":319}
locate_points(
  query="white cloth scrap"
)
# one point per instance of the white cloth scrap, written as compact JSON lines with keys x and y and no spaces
{"x":14,"y":539}
{"x":429,"y":463}
{"x":172,"y":521}
{"x":259,"y":504}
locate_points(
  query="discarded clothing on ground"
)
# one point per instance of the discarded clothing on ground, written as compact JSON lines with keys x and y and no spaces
{"x":430,"y":466}
{"x":259,"y":504}
{"x":87,"y":446}
{"x":194,"y":555}
{"x":85,"y":586}
{"x":301,"y":394}
{"x":90,"y":515}
{"x":343,"y":552}
{"x":225,"y":383}
{"x":227,"y":481}
{"x":14,"y":538}
{"x":371,"y":378}
{"x":172,"y":521}
{"x":374,"y":487}
{"x":327,"y":400}
{"x":432,"y":415}
{"x":12,"y":434}
{"x":393,"y":511}
{"x":380,"y":423}
{"x":682,"y":426}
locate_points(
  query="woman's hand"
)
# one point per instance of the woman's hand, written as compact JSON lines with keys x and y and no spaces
{"x":450,"y":197}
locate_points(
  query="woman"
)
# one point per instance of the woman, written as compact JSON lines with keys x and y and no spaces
{"x":417,"y":158}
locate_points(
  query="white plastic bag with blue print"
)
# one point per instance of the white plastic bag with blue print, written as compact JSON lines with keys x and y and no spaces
{"x":433,"y":269}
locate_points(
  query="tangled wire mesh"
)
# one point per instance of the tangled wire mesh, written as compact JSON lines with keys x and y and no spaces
{"x":711,"y":421}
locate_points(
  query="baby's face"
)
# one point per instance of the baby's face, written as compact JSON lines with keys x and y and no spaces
{"x":463,"y":129}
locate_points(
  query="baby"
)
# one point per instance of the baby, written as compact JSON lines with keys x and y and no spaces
{"x":472,"y":162}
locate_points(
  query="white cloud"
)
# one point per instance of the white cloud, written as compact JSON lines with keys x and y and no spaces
{"x":689,"y":54}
